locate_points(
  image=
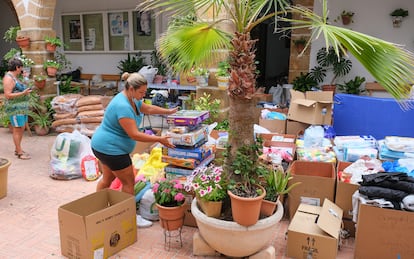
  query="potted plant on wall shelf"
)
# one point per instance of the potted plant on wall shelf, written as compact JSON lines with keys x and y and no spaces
{"x":39,"y":81}
{"x":201,"y":74}
{"x":397,"y":16}
{"x":300,"y":44}
{"x":352,"y":86}
{"x":346,"y":17}
{"x":51,"y":66}
{"x":328,"y":61}
{"x":10,"y":35}
{"x":223,"y":74}
{"x":52,"y":43}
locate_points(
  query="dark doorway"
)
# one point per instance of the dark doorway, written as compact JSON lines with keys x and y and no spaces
{"x":272,"y":54}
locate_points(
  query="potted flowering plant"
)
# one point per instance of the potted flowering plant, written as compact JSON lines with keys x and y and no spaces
{"x":169,"y":199}
{"x":51,"y":66}
{"x":201,"y":74}
{"x":210,"y":188}
{"x":52,"y":43}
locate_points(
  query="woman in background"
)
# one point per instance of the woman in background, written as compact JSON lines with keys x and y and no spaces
{"x":17,"y":107}
{"x":115,"y":138}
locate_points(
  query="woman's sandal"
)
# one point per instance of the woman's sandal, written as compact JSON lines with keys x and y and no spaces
{"x":23,"y":156}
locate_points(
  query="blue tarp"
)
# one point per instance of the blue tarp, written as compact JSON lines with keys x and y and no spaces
{"x":363,"y":115}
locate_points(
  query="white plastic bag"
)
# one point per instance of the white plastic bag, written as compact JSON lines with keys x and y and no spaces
{"x":313,"y":136}
{"x":66,"y":155}
{"x":148,"y":72}
{"x":145,"y":204}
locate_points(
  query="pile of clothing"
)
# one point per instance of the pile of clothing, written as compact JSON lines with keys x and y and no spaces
{"x":385,"y":190}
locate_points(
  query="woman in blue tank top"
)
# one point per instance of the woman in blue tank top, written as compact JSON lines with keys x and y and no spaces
{"x":115,"y":138}
{"x":16,"y":94}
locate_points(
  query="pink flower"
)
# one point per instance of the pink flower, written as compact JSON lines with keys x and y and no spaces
{"x":179,"y":197}
{"x":155,"y":187}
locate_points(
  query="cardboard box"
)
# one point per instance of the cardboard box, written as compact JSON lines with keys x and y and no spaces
{"x":313,"y":107}
{"x":275,"y":126}
{"x":189,"y":219}
{"x":145,"y":147}
{"x":344,"y":191}
{"x":314,"y":231}
{"x":384,"y":233}
{"x":349,"y":226}
{"x":317,"y":183}
{"x":97,"y":225}
{"x":295,"y":127}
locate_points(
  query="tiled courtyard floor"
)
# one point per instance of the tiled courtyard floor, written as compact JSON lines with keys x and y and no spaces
{"x":28,"y":215}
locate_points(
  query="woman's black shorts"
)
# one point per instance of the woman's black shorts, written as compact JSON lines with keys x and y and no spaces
{"x":115,"y":162}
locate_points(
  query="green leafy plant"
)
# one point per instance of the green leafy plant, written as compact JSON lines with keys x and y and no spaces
{"x":352,"y":86}
{"x":208,"y":182}
{"x":39,"y":78}
{"x":300,"y":41}
{"x":204,"y":103}
{"x":132,"y":63}
{"x":247,"y":168}
{"x":346,"y":17}
{"x":54,"y":41}
{"x":10,"y":34}
{"x":51,"y":63}
{"x":223,"y":68}
{"x":168,"y":193}
{"x":27,"y":62}
{"x":158,"y":63}
{"x":200,"y":71}
{"x":304,"y":82}
{"x":276,"y":183}
{"x":399,"y":12}
{"x":40,"y":119}
{"x":13,"y":52}
{"x":328,"y":60}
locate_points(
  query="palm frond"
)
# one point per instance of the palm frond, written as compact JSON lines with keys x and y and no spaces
{"x":390,"y":64}
{"x":197,"y":44}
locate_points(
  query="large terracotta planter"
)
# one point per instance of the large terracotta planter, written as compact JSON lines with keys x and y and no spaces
{"x":246,"y":211}
{"x":171,"y":218}
{"x":4,"y":169}
{"x":232,"y":239}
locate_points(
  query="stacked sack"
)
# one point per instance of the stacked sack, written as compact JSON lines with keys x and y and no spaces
{"x":77,"y":112}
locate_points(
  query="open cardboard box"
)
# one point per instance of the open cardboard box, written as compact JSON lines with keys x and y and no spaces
{"x":344,"y":191}
{"x":97,"y":225}
{"x":314,"y":231}
{"x":313,"y":107}
{"x":317,"y":183}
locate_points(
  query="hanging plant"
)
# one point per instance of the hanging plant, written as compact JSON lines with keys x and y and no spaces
{"x":397,"y":17}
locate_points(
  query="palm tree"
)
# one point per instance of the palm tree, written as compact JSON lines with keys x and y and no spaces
{"x":196,"y":42}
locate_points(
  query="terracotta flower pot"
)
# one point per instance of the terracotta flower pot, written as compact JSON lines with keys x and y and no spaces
{"x":268,"y":207}
{"x":4,"y":169}
{"x":51,"y":71}
{"x":50,"y":47}
{"x":210,"y":208}
{"x":40,"y":84}
{"x":246,"y":211}
{"x":23,"y":42}
{"x":171,"y":218}
{"x":41,"y":131}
